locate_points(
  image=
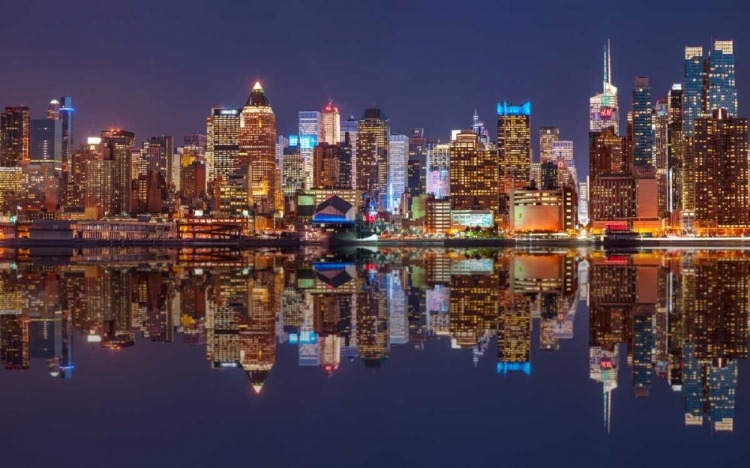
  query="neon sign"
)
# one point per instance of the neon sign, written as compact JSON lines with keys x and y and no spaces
{"x":606,"y":113}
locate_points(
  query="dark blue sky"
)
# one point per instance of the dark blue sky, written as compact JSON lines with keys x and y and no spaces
{"x":157,"y":67}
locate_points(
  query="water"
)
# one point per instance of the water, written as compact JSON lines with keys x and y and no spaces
{"x":421,"y":357}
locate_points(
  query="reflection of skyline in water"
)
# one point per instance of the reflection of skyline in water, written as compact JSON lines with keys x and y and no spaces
{"x":680,"y":318}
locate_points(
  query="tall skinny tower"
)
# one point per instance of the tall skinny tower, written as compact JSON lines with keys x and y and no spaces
{"x":258,"y":146}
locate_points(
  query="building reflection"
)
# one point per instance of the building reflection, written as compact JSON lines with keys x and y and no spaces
{"x":654,"y":318}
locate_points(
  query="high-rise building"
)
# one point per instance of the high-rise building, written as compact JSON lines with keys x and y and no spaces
{"x":416,"y":168}
{"x":480,"y":130}
{"x":674,"y":148}
{"x":473,"y":177}
{"x":720,"y":146}
{"x":547,"y":135}
{"x":66,"y":116}
{"x":350,"y":126}
{"x":158,"y":155}
{"x":562,"y":153}
{"x":14,"y":136}
{"x":438,"y":170}
{"x":373,"y":137}
{"x":603,"y":107}
{"x":310,"y":133}
{"x":513,"y":145}
{"x":53,"y":110}
{"x":606,"y":153}
{"x":257,"y":138}
{"x":345,"y":162}
{"x":326,"y":165}
{"x":45,"y":142}
{"x":722,"y":91}
{"x":643,"y":131}
{"x":397,"y":171}
{"x":222,"y":142}
{"x":292,"y":175}
{"x":116,"y":147}
{"x":583,"y":203}
{"x":331,"y":124}
{"x":694,"y":88}
{"x":660,"y":119}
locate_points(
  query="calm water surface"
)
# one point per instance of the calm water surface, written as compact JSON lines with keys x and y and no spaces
{"x":374,"y":358}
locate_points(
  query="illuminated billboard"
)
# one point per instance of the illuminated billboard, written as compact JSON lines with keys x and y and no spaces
{"x":606,"y":113}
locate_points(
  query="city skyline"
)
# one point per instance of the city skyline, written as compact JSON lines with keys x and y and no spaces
{"x":438,"y":111}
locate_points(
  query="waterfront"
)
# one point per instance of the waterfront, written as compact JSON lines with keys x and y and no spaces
{"x":367,"y":357}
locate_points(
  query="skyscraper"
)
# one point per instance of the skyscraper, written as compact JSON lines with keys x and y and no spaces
{"x":373,"y":137}
{"x":45,"y":142}
{"x":66,"y":116}
{"x":674,"y":148}
{"x":513,"y":145}
{"x":547,"y":135}
{"x":159,"y":151}
{"x":116,"y":147}
{"x":606,"y":153}
{"x":397,"y":167}
{"x":331,"y":124}
{"x":694,"y":88}
{"x":14,"y":136}
{"x":310,"y":133}
{"x":416,"y":177}
{"x":222,"y":142}
{"x":721,"y":171}
{"x":603,"y":107}
{"x":257,"y":138}
{"x":350,"y":126}
{"x":562,"y":153}
{"x":722,"y":91}
{"x":480,"y":130}
{"x":473,"y":177}
{"x":661,"y":146}
{"x":643,"y":131}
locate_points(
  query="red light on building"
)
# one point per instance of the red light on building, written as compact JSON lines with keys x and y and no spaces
{"x":606,"y":113}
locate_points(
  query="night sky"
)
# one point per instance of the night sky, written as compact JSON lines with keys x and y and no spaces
{"x":157,"y":67}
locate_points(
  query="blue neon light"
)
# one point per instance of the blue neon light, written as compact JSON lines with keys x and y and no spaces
{"x":293,"y":140}
{"x":506,"y":367}
{"x":67,"y":109}
{"x":505,"y":109}
{"x":308,"y":337}
{"x":330,"y":266}
{"x":332,"y":219}
{"x":293,"y":338}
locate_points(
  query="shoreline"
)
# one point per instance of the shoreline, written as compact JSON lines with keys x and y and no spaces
{"x":686,"y":242}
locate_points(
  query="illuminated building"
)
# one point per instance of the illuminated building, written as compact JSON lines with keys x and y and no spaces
{"x":193,"y":180}
{"x":514,"y":337}
{"x":535,"y":173}
{"x":332,"y":165}
{"x":331,"y":124}
{"x":674,"y":148}
{"x":158,"y":155}
{"x":603,"y":107}
{"x":39,"y":187}
{"x":438,"y":215}
{"x":722,"y":91}
{"x":547,"y":135}
{"x":45,"y":142}
{"x":583,"y":203}
{"x":562,"y":154}
{"x":606,"y":153}
{"x":694,"y":88}
{"x":603,"y":367}
{"x":222,"y":142}
{"x":397,"y":171}
{"x":292,"y":172}
{"x":98,"y":185}
{"x":373,"y":136}
{"x":194,"y":144}
{"x":346,"y":161}
{"x":416,"y":166}
{"x":235,"y":194}
{"x":116,"y":146}
{"x":543,"y":211}
{"x":310,"y":132}
{"x":480,"y":130}
{"x":643,"y":131}
{"x":66,"y":116}
{"x":630,"y":198}
{"x":398,"y":324}
{"x":438,"y":170}
{"x":722,"y":388}
{"x":473,"y":174}
{"x":661,"y":135}
{"x":513,"y":145}
{"x":14,"y":136}
{"x":720,"y":148}
{"x":351,"y":126}
{"x":257,"y":140}
{"x":10,"y":188}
